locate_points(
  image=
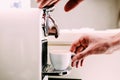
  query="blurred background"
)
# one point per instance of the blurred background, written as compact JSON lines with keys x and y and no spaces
{"x":97,"y":14}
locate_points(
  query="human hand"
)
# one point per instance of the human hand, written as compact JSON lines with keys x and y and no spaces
{"x":69,"y":5}
{"x":89,"y":45}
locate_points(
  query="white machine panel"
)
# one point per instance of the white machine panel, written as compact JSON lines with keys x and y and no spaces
{"x":20,"y":44}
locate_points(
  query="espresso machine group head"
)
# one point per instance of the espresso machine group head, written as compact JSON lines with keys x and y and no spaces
{"x":50,"y":28}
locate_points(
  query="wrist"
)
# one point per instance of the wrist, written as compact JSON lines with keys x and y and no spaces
{"x":115,"y":40}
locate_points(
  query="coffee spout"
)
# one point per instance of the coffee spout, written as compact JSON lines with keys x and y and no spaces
{"x":49,"y":25}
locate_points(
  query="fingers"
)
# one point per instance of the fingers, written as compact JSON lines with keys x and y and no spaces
{"x":81,"y":64}
{"x":38,"y":0}
{"x":53,"y":2}
{"x":71,"y":4}
{"x":43,"y":3}
{"x":75,"y":45}
{"x":76,"y":63}
{"x":80,"y":45}
{"x":76,"y":48}
{"x":78,"y":59}
{"x":79,"y":49}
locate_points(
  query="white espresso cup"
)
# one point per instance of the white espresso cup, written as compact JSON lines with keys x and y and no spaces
{"x":60,"y":59}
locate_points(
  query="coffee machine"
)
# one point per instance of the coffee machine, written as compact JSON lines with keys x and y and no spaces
{"x":23,"y":42}
{"x":49,"y":28}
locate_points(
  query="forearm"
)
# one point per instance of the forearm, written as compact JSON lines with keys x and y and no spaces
{"x":115,"y":39}
{"x":114,"y":43}
{"x":113,"y":35}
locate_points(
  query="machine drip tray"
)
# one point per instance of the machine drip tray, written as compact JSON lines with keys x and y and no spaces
{"x":50,"y":71}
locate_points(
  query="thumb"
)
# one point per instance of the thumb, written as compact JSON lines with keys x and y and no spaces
{"x":71,"y":4}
